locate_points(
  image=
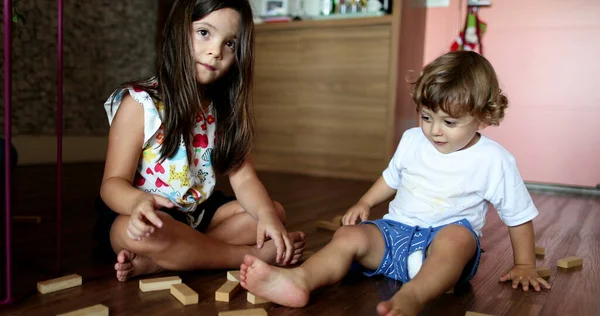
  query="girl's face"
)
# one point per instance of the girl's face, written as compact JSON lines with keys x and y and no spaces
{"x":448,"y":134}
{"x":214,"y":40}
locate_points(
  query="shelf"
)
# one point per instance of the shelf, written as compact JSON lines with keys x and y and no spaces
{"x":380,"y":20}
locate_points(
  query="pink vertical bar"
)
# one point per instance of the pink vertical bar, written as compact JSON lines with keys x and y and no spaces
{"x":59,"y":132}
{"x":7,"y":142}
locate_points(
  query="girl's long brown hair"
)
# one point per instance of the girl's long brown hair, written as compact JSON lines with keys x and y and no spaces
{"x":179,"y":91}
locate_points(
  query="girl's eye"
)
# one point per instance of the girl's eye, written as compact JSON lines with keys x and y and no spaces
{"x":203,"y":32}
{"x":450,"y":123}
{"x":425,"y":118}
{"x":230,"y":44}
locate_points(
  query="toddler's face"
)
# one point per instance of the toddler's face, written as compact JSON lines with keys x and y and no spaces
{"x":448,"y":134}
{"x":214,"y":41}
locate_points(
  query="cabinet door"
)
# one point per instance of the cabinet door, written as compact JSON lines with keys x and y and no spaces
{"x":321,"y":100}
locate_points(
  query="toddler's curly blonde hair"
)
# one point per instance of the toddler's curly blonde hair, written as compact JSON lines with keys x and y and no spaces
{"x":461,"y":83}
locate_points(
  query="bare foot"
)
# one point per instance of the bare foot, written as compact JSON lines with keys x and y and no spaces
{"x":130,"y":265}
{"x":282,"y":286}
{"x":403,"y":303}
{"x":268,"y":252}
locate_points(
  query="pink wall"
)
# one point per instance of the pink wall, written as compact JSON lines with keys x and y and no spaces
{"x":546,"y":54}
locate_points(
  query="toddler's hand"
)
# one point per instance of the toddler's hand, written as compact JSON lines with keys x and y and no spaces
{"x":271,"y":227}
{"x":524,"y":275}
{"x":359,"y":210}
{"x":143,"y":217}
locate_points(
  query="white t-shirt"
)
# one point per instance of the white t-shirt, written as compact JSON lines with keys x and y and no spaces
{"x":434,"y":189}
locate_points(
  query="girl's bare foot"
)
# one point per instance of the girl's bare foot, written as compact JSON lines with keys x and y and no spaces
{"x":282,"y":286}
{"x":403,"y":303}
{"x":269,"y":251}
{"x":130,"y":265}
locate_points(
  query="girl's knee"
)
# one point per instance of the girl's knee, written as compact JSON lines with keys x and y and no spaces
{"x":280,"y":211}
{"x":158,"y":241}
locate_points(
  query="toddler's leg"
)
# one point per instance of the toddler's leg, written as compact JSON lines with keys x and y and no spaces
{"x":292,"y":287}
{"x":450,"y":251}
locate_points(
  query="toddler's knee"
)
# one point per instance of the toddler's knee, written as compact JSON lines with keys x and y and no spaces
{"x":280,"y":211}
{"x":459,"y":236}
{"x":351,"y":235}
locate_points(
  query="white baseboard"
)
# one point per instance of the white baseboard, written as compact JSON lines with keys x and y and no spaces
{"x":34,"y":149}
{"x":559,"y":188}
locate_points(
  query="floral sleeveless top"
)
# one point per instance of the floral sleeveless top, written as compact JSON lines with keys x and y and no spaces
{"x":185,"y":183}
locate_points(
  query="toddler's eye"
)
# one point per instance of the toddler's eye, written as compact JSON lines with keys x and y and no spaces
{"x":450,"y":123}
{"x":203,"y":32}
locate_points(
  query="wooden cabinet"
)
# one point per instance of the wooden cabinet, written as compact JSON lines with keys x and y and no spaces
{"x":325,"y":96}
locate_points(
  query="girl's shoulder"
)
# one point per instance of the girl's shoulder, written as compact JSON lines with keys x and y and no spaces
{"x":152,"y":108}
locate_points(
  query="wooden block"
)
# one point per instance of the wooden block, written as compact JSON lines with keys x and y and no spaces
{"x":158,"y":284}
{"x":327,"y":225}
{"x":540,"y":251}
{"x":245,"y":312}
{"x":226,"y":291}
{"x":475,"y":314}
{"x":58,"y":284}
{"x":255,"y":300}
{"x":543,"y":272}
{"x":570,"y":262}
{"x":26,"y":219}
{"x":96,"y":310}
{"x":184,"y":294}
{"x":233,"y":276}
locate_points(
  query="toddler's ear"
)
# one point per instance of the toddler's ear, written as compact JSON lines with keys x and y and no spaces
{"x":482,"y":126}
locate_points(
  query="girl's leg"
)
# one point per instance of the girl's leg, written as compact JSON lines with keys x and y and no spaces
{"x":292,"y":287}
{"x":177,"y":246}
{"x":233,"y":225}
{"x":449,"y":253}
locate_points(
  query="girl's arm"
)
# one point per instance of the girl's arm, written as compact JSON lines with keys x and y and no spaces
{"x":125,"y":142}
{"x":124,"y":149}
{"x":250,"y":191}
{"x":253,"y":197}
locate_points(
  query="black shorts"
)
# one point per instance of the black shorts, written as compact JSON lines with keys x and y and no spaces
{"x":106,"y":217}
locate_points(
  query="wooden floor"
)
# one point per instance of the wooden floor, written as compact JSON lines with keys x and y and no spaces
{"x":567,"y":225}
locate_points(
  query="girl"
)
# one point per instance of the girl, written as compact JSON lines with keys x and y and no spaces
{"x":168,"y":136}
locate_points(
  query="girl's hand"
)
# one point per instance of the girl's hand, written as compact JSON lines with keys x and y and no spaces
{"x":359,"y":210}
{"x":524,"y":275}
{"x":143,"y":219}
{"x":271,"y":227}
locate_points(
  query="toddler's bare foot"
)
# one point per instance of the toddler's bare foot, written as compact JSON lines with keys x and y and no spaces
{"x":282,"y":286}
{"x":269,"y":251}
{"x":403,"y":303}
{"x":130,"y":265}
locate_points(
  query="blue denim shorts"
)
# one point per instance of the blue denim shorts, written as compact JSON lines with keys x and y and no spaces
{"x":402,"y":240}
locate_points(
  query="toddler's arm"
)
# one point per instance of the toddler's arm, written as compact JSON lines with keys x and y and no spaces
{"x":524,"y":272}
{"x":378,"y":193}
